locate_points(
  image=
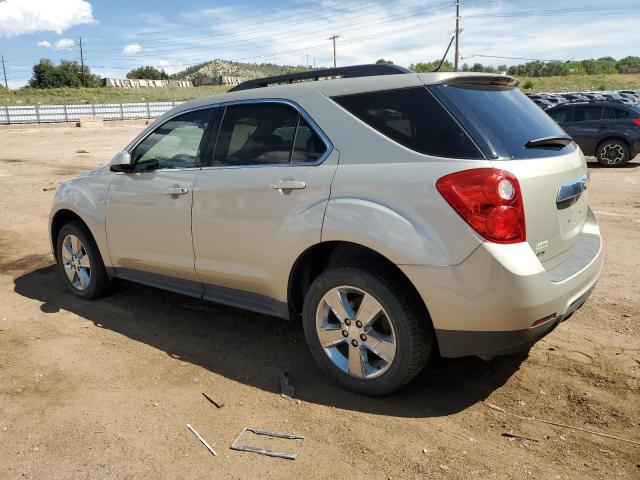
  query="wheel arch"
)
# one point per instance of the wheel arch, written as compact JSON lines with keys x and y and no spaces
{"x":317,"y":258}
{"x":59,"y":220}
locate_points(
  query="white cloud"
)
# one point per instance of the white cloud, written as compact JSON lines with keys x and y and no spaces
{"x":18,"y":17}
{"x":64,"y":43}
{"x":131,"y":49}
{"x":45,"y":44}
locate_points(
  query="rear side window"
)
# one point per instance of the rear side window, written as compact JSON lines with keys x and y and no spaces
{"x":620,"y":113}
{"x":608,"y":114}
{"x":501,"y":119}
{"x":584,"y":114}
{"x":265,"y":134}
{"x":413,"y":118}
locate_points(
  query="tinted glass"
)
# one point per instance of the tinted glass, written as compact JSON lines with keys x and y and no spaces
{"x":174,"y":144}
{"x":584,"y":114}
{"x":620,"y":113}
{"x":255,"y":134}
{"x":559,"y":114}
{"x":502,"y":118}
{"x":413,"y":118}
{"x":308,"y":147}
{"x":607,"y":114}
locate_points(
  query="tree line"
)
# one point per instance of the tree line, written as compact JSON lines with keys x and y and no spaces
{"x":536,"y":68}
{"x":71,"y":74}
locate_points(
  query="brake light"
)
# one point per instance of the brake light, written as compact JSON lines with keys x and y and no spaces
{"x":637,"y":121}
{"x":489,"y":200}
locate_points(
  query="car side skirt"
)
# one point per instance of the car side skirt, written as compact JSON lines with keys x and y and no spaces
{"x":213,"y":293}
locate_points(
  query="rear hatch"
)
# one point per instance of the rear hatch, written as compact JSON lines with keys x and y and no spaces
{"x":516,"y":136}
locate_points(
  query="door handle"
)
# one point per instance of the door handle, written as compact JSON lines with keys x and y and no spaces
{"x":176,"y":191}
{"x":288,"y":185}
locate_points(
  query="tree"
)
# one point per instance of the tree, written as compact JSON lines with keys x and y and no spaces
{"x":148,"y":73}
{"x":420,"y":67}
{"x":67,"y":74}
{"x":383,"y":61}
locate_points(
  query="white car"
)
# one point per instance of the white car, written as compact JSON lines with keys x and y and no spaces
{"x":397,"y":214}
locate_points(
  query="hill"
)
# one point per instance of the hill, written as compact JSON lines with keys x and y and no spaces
{"x":236,"y":69}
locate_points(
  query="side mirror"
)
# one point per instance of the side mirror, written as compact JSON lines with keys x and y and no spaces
{"x":121,"y":162}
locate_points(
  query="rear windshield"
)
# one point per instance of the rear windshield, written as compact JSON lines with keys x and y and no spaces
{"x":413,"y":118}
{"x":501,"y":118}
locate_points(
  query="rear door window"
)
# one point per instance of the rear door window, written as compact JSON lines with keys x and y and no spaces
{"x":585,"y":113}
{"x":608,"y":114}
{"x":501,"y":119}
{"x":413,"y":118}
{"x":265,"y":134}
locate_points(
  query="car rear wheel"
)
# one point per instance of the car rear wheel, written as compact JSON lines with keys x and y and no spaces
{"x":612,"y":153}
{"x":80,"y":262}
{"x":366,"y":329}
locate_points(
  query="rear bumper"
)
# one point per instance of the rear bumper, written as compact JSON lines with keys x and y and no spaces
{"x":488,"y":304}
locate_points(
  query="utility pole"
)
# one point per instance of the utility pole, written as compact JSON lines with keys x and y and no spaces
{"x":455,"y":63}
{"x":307,"y":60}
{"x":84,"y":83}
{"x":4,"y":72}
{"x":333,"y":37}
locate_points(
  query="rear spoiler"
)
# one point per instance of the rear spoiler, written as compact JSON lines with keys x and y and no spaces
{"x":469,"y":78}
{"x":475,"y":79}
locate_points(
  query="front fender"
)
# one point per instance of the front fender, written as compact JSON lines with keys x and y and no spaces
{"x":85,"y":197}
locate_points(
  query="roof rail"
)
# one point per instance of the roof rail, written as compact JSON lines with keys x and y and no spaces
{"x":315,"y":75}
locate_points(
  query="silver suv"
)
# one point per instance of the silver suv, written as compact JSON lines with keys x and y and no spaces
{"x":399,"y":215}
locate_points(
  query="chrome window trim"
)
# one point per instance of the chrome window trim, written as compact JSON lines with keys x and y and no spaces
{"x":310,"y":121}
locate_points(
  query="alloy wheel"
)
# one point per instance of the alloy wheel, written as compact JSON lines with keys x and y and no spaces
{"x":612,"y":153}
{"x":355,"y":332}
{"x":76,"y":262}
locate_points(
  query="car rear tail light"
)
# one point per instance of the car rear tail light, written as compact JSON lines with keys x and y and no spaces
{"x":489,"y":200}
{"x":636,"y":121}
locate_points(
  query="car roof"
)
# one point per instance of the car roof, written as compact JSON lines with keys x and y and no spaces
{"x":347,"y":86}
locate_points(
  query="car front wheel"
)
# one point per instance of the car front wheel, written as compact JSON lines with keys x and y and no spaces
{"x":366,"y":329}
{"x":80,"y":262}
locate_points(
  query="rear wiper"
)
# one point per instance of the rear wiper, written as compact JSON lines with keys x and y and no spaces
{"x":549,"y":142}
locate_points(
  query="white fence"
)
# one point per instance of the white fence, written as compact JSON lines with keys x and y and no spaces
{"x":10,"y":114}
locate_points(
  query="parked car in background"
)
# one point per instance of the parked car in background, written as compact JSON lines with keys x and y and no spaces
{"x":609,"y":130}
{"x":395,"y":214}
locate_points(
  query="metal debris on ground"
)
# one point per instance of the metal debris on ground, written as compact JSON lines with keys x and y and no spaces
{"x":558,"y":424}
{"x":264,"y":451}
{"x":286,"y":385}
{"x":204,"y":442}
{"x":519,"y":437}
{"x":48,"y":189}
{"x":213,"y":399}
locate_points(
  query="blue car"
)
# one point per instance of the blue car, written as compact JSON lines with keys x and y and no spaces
{"x":608,"y":130}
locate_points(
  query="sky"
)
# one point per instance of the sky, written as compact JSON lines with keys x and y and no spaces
{"x":119,"y":35}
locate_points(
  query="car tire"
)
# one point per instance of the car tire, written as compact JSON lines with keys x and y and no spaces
{"x":612,"y":153}
{"x":389,"y":350}
{"x":80,"y":262}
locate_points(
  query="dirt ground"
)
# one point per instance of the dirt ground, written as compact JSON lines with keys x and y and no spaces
{"x":104,"y":389}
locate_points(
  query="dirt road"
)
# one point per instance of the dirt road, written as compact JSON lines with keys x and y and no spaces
{"x":105,"y":389}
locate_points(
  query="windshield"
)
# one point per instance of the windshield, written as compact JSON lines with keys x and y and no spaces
{"x":502,"y":119}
